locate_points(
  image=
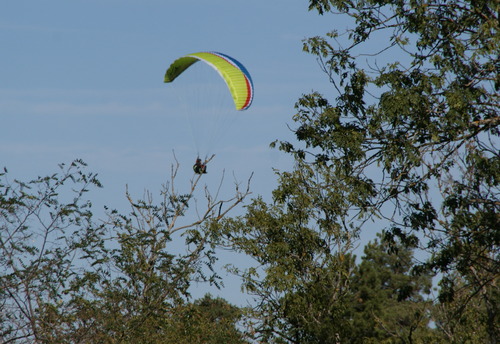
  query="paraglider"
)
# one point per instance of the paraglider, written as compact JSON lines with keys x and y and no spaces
{"x":199,"y":167}
{"x":235,"y":75}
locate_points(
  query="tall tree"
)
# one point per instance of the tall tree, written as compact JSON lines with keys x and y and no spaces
{"x":412,"y":135}
{"x":44,"y":225}
{"x":302,"y":246}
{"x":462,"y":322}
{"x":144,"y":278}
{"x":65,"y":279}
{"x":207,"y":320}
{"x":410,"y":141}
{"x":389,"y":303}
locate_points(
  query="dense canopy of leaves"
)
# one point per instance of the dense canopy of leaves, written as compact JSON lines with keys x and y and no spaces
{"x":411,"y":142}
{"x":412,"y":136}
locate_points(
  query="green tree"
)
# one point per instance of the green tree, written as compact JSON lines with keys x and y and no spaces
{"x":459,"y":321}
{"x":390,"y":304}
{"x":207,"y":320}
{"x":45,"y":226}
{"x":145,"y":277}
{"x":411,"y":141}
{"x":412,"y":135}
{"x":65,"y":279}
{"x":302,"y":247}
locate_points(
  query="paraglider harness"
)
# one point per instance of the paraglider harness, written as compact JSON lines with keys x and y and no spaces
{"x":199,"y":167}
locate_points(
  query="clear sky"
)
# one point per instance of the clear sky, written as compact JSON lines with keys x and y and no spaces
{"x":84,"y":79}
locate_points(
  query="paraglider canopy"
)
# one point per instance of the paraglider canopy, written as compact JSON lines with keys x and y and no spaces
{"x":235,"y":75}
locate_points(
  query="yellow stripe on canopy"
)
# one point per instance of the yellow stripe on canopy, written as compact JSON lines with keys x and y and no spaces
{"x":234,"y":74}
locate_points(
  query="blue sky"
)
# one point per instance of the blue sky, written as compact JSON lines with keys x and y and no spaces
{"x":84,"y":79}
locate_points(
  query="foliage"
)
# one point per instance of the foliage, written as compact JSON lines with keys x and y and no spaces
{"x":410,"y":141}
{"x":462,"y":321}
{"x":308,"y":291}
{"x":414,"y":131}
{"x":303,"y":259}
{"x":389,"y":303}
{"x":66,"y":279}
{"x":46,"y":235}
{"x":208,"y":320}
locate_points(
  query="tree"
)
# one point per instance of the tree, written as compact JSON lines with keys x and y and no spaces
{"x":69,"y":280}
{"x":462,"y":322}
{"x":208,"y":320}
{"x":45,"y":224}
{"x":410,"y":142}
{"x":146,"y":278}
{"x":302,"y":250}
{"x":412,"y":135}
{"x":389,"y":303}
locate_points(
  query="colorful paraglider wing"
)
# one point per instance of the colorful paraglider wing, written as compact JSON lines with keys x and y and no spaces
{"x":235,"y":75}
